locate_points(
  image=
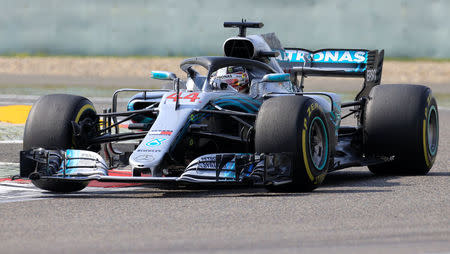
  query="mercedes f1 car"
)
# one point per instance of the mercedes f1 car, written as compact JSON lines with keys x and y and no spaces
{"x":204,"y":131}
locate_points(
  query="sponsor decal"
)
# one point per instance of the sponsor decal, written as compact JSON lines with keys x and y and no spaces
{"x":225,"y":76}
{"x":156,"y":142}
{"x":213,"y":165}
{"x":80,"y":154}
{"x":311,"y":108}
{"x":144,"y":157}
{"x":327,"y":56}
{"x":207,"y":162}
{"x":148,"y":151}
{"x":207,"y":165}
{"x":160,"y":132}
{"x":208,"y":158}
{"x":371,"y":75}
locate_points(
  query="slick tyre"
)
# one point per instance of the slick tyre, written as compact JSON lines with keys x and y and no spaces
{"x":402,"y":121}
{"x":298,"y":125}
{"x":49,"y":126}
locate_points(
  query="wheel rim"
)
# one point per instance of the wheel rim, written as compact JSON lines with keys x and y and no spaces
{"x":87,"y":111}
{"x":432,"y":131}
{"x":318,"y":143}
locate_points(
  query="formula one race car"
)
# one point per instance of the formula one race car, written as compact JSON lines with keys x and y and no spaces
{"x":246,"y":122}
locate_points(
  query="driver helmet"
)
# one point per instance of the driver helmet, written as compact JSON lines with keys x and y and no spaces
{"x":235,"y":76}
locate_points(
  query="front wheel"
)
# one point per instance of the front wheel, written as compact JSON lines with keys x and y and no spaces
{"x":298,"y":125}
{"x":50,"y":125}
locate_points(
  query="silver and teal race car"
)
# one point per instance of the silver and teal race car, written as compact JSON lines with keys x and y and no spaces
{"x":203,"y":131}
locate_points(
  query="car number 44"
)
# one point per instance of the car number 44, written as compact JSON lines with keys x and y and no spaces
{"x":192,"y":97}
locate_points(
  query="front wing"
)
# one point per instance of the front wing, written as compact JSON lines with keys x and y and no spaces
{"x":210,"y":169}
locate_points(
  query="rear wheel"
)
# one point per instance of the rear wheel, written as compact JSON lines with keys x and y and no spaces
{"x":49,"y":125}
{"x":402,"y":121}
{"x":298,"y":125}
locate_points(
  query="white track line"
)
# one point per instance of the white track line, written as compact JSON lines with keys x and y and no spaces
{"x":14,"y":192}
{"x":19,"y":192}
{"x":9,"y":164}
{"x":20,"y":142}
{"x":36,"y":97}
{"x":11,"y":141}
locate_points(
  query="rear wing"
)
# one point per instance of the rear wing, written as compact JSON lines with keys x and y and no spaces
{"x":362,"y":63}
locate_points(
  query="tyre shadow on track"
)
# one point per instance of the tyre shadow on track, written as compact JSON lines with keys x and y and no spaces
{"x":359,"y":179}
{"x":336,"y":183}
{"x":438,"y":174}
{"x":356,"y":182}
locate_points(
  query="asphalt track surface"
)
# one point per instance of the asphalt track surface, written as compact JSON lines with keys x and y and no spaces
{"x":353,"y":212}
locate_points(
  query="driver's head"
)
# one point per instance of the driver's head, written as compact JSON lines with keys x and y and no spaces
{"x":235,"y":76}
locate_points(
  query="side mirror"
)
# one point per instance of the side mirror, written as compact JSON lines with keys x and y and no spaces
{"x":276,"y":77}
{"x":163,"y":75}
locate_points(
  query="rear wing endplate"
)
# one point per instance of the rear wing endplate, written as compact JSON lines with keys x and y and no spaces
{"x":360,"y":63}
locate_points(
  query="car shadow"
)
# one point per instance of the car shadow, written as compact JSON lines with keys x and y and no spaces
{"x":362,"y":178}
{"x":438,"y":173}
{"x":340,"y":182}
